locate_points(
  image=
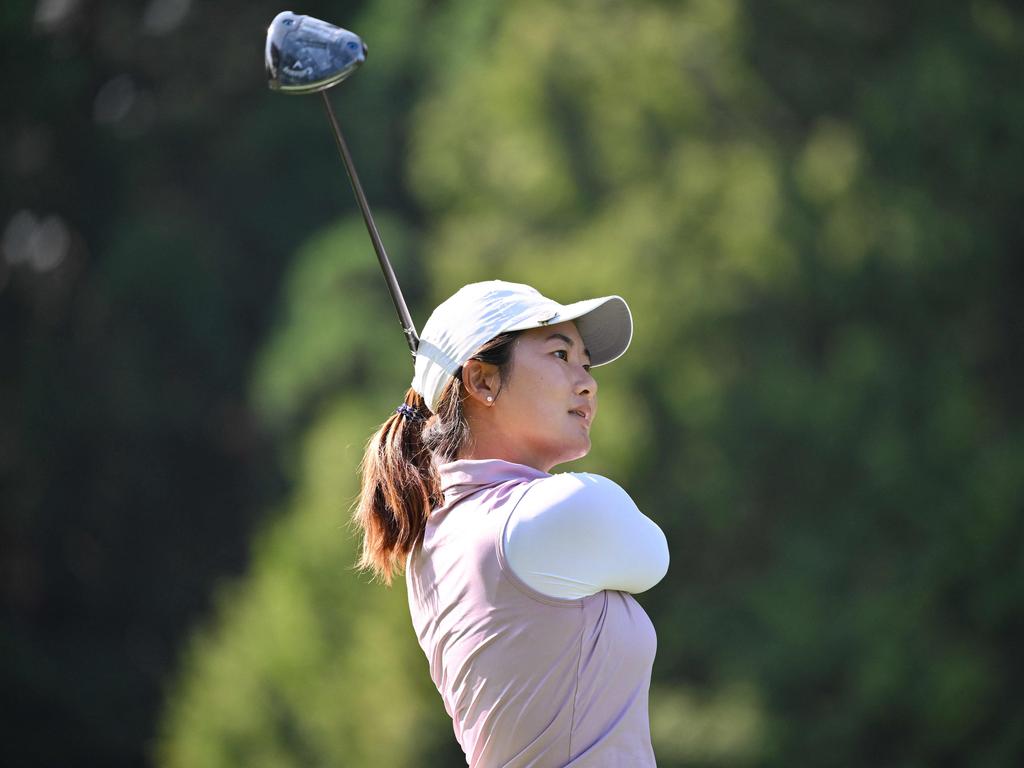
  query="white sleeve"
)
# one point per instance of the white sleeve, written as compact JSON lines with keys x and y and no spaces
{"x":575,"y":534}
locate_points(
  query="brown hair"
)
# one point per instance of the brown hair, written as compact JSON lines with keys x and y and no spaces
{"x":400,"y":483}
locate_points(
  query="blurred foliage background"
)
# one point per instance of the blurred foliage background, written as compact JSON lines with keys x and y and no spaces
{"x":814,"y":211}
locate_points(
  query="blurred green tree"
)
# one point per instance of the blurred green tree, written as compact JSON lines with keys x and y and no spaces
{"x":811,"y":210}
{"x":148,"y":207}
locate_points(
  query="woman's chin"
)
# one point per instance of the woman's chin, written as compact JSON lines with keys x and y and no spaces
{"x":578,"y":451}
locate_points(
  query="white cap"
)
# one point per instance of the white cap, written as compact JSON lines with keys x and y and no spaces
{"x":480,"y":311}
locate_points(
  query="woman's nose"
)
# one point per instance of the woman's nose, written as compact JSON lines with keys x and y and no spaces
{"x":587,"y":384}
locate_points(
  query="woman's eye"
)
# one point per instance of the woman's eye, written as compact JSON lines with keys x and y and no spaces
{"x":586,"y":367}
{"x":562,"y":354}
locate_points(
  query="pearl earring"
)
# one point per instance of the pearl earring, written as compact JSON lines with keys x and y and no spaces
{"x":490,"y":399}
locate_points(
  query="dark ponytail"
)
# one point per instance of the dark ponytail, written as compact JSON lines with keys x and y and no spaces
{"x":400,"y":483}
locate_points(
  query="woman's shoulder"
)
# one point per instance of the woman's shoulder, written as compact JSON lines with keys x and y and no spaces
{"x":569,"y":486}
{"x":568,"y":496}
{"x":586,"y":528}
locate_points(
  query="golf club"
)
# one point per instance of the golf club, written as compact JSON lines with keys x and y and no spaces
{"x":306,"y":55}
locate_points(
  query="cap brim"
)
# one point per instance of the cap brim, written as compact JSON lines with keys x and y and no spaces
{"x":605,"y":324}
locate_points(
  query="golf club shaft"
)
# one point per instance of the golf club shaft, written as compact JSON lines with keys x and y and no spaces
{"x":389,"y":274}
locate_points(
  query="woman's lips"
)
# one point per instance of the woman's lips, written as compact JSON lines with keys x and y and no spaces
{"x":583,"y":413}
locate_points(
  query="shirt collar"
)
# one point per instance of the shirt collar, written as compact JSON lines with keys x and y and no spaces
{"x":467,"y":475}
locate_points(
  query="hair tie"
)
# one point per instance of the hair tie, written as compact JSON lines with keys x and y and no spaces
{"x":409,"y":412}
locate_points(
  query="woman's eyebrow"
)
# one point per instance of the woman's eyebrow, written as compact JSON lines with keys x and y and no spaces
{"x":568,"y":341}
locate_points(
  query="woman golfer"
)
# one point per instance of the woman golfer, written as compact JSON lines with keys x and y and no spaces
{"x":519,"y":581}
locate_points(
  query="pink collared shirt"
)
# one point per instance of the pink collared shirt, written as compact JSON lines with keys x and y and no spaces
{"x":532,"y":679}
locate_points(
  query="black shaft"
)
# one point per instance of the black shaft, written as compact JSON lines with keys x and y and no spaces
{"x":389,"y":274}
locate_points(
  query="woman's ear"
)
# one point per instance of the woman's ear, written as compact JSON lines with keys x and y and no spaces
{"x":481,"y":381}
